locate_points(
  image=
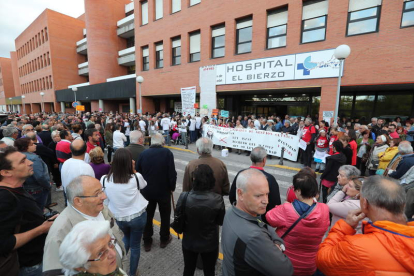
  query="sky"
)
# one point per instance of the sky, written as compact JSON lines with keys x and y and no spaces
{"x":17,"y":15}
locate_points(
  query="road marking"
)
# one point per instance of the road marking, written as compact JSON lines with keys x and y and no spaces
{"x":175,"y":148}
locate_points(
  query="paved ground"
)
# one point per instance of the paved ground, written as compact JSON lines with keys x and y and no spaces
{"x":169,"y":261}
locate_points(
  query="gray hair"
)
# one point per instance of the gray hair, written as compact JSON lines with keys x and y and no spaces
{"x":26,"y":126}
{"x":244,"y":177}
{"x":258,"y":154}
{"x":9,"y":131}
{"x":309,"y":120}
{"x":75,"y":187}
{"x":350,"y":171}
{"x":134,"y":136}
{"x":45,"y":127}
{"x":54,"y":133}
{"x":287,"y":121}
{"x":385,"y":193}
{"x":157,"y":139}
{"x":405,"y":148}
{"x":74,"y":252}
{"x":204,"y":145}
{"x":374,"y":118}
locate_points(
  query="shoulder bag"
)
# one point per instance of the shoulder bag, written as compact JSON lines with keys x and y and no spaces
{"x":179,"y":217}
{"x":304,"y":215}
{"x":136,"y":178}
{"x":9,"y":263}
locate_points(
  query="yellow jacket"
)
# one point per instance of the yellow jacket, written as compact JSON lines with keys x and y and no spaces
{"x":386,"y":157}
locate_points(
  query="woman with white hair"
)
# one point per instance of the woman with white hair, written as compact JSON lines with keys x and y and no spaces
{"x":381,"y":144}
{"x":88,"y":249}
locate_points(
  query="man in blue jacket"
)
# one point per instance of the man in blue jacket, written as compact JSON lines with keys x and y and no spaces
{"x":406,"y":150}
{"x":156,"y":165}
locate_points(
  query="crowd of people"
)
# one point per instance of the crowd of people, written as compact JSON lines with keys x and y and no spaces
{"x":355,"y":219}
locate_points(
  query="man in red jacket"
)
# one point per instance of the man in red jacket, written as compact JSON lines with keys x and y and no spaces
{"x":386,"y":246}
{"x":309,"y":135}
{"x":92,"y":136}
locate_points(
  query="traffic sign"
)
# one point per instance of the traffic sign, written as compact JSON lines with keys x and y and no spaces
{"x":74,"y":104}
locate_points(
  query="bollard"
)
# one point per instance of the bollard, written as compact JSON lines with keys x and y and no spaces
{"x":281,"y":156}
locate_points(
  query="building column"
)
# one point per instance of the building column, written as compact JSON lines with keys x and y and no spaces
{"x":132,"y":105}
{"x":328,"y":99}
{"x":101,"y":106}
{"x":62,"y":107}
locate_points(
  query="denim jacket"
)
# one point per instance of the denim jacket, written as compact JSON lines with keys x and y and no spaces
{"x":40,"y":178}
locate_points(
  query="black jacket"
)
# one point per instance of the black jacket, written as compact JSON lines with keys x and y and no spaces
{"x":287,"y":129}
{"x":156,"y":165}
{"x":46,"y":137}
{"x":204,"y":212}
{"x":47,"y":155}
{"x":348,"y":154}
{"x":274,"y":194}
{"x":333,"y":163}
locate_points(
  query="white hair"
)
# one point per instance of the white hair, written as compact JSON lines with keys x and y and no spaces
{"x":204,"y":145}
{"x":74,"y":250}
{"x":54,"y":133}
{"x":244,"y":177}
{"x":26,"y":126}
{"x":405,"y":148}
{"x":157,"y":139}
{"x":75,"y":187}
{"x":134,"y":136}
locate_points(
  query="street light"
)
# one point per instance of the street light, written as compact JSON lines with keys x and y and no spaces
{"x":11,"y":105}
{"x":24,"y":107}
{"x":43,"y":105}
{"x":140,"y":80}
{"x":341,"y":53}
{"x":74,"y":89}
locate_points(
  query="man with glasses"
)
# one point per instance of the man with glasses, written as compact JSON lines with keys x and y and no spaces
{"x":29,"y":128}
{"x":86,"y":198}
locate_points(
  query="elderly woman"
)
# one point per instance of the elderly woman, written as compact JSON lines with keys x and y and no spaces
{"x":346,"y":200}
{"x":98,"y":163}
{"x":379,"y":147}
{"x":38,"y":185}
{"x":89,"y":250}
{"x":286,"y":128}
{"x":345,"y":174}
{"x":303,"y":240}
{"x":388,"y":155}
{"x":204,"y":212}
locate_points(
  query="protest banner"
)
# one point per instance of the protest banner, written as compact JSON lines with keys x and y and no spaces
{"x":188,"y":99}
{"x":247,"y":139}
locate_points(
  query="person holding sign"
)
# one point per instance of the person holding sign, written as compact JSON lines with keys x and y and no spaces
{"x":309,"y":136}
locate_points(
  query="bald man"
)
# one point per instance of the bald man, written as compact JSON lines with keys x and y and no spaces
{"x":75,"y":166}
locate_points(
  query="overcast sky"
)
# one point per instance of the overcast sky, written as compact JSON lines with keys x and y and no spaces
{"x":17,"y":15}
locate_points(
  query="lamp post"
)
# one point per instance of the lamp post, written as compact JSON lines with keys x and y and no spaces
{"x":341,"y":53}
{"x":74,"y":89}
{"x":11,"y":105}
{"x":24,"y":107}
{"x":43,"y":107}
{"x":140,"y":80}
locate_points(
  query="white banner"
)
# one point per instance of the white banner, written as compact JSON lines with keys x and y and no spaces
{"x":178,"y":107}
{"x":248,"y":139}
{"x":188,"y":99}
{"x":311,"y":65}
{"x":208,"y":88}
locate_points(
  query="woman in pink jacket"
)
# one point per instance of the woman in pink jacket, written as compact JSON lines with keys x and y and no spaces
{"x":301,"y":224}
{"x":344,"y":201}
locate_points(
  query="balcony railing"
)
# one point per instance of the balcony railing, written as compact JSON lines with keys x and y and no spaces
{"x":127,"y":57}
{"x":126,"y":27}
{"x":82,"y":46}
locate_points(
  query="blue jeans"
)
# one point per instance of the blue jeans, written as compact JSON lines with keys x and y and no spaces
{"x":167,"y":138}
{"x":193,"y":136}
{"x":35,"y":270}
{"x":132,"y":239}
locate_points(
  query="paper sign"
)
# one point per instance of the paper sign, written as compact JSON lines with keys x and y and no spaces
{"x":327,"y":115}
{"x":224,"y":113}
{"x":215,"y":112}
{"x":188,"y":97}
{"x":80,"y":108}
{"x":302,"y":144}
{"x":205,"y":106}
{"x":196,"y":105}
{"x":204,"y":112}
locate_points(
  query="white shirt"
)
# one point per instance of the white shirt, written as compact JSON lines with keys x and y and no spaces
{"x":183,"y":127}
{"x":142,"y":125}
{"x":256,"y":124}
{"x":127,"y":129}
{"x":192,"y":125}
{"x":118,"y":139}
{"x":124,"y":199}
{"x":73,"y":168}
{"x":8,"y":141}
{"x":198,"y":122}
{"x":165,"y":123}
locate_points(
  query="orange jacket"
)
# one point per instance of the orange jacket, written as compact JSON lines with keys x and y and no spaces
{"x":384,"y":248}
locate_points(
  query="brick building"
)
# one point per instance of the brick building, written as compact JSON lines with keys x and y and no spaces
{"x":47,"y":60}
{"x":8,"y":102}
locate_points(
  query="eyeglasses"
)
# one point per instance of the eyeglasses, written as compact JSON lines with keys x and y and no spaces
{"x":97,"y":195}
{"x":102,"y":255}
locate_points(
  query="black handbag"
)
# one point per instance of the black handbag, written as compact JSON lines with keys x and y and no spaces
{"x":179,"y":218}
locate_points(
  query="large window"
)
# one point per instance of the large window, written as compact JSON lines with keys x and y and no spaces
{"x":145,"y":58}
{"x":276,"y":28}
{"x":158,"y":9}
{"x":195,"y":46}
{"x":176,"y":51}
{"x":159,"y":55}
{"x":175,"y":6}
{"x":144,"y":12}
{"x":130,"y":41}
{"x":314,"y":17}
{"x":363,"y":17}
{"x":244,"y":35}
{"x":218,"y":34}
{"x":194,"y":2}
{"x":408,"y":14}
